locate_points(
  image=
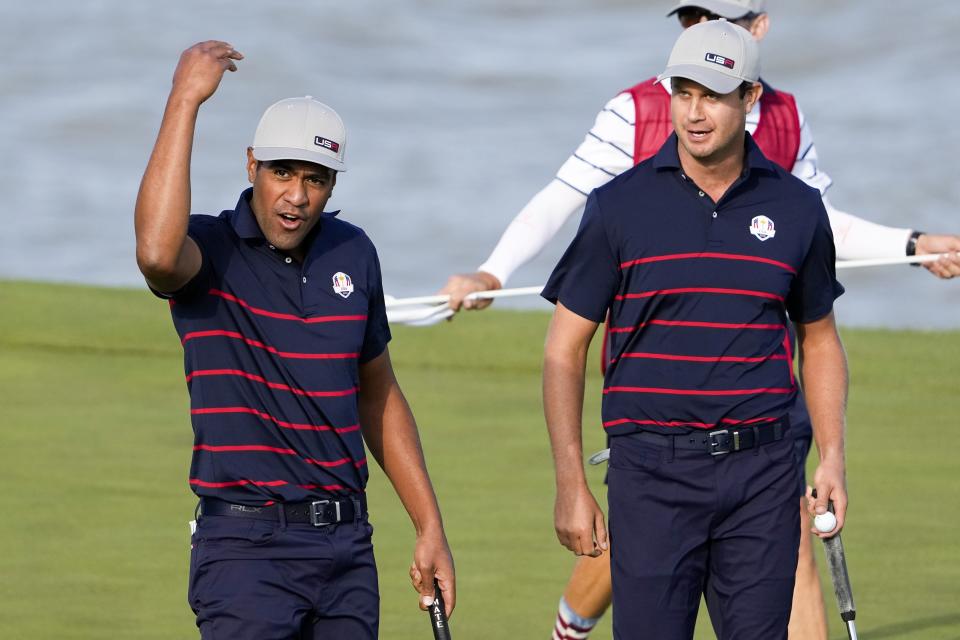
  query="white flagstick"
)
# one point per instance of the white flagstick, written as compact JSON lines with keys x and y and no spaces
{"x":883,"y":262}
{"x":443,"y":299}
{"x":533,"y":291}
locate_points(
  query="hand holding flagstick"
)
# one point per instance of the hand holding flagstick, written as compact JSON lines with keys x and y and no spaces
{"x":427,"y":310}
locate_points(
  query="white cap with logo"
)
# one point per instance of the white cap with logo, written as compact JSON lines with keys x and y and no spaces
{"x":717,"y":54}
{"x":301,"y":129}
{"x":730,"y":9}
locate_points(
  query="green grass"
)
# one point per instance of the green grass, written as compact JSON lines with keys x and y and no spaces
{"x":95,"y":448}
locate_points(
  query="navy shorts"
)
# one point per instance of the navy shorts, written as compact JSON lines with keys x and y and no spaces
{"x":257,"y":579}
{"x":685,"y":524}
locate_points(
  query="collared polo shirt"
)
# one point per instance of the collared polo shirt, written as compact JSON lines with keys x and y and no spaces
{"x":698,"y":293}
{"x":272,"y":350}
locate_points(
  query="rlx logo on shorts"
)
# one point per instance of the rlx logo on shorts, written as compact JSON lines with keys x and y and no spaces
{"x":716,"y":58}
{"x":326,"y":144}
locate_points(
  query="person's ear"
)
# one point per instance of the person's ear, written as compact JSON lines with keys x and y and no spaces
{"x":251,"y":165}
{"x":760,"y":26}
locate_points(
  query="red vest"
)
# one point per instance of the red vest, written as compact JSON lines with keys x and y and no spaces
{"x":777,"y":134}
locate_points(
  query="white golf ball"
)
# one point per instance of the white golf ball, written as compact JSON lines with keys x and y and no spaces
{"x":825,"y":522}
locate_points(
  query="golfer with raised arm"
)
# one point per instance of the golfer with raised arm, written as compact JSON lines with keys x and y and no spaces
{"x":279,"y":306}
{"x":701,"y":255}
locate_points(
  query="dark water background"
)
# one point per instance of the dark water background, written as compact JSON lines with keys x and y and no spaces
{"x":457,"y":113}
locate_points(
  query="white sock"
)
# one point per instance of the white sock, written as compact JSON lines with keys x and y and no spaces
{"x":570,"y":625}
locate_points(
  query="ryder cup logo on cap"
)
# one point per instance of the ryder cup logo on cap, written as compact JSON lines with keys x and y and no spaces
{"x":762,"y":227}
{"x":301,"y":129}
{"x":729,"y":9}
{"x":717,"y":54}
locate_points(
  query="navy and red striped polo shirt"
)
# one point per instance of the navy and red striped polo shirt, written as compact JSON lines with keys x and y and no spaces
{"x":271,"y":352}
{"x":698,"y":293}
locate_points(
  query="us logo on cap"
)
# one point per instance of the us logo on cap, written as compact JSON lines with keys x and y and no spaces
{"x":320,"y":141}
{"x":716,"y":58}
{"x":762,"y":227}
{"x":342,"y":284}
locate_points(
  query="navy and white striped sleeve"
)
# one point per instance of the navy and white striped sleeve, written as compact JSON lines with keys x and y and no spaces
{"x":606,"y":150}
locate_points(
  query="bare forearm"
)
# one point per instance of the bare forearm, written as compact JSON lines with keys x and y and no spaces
{"x":577,"y":517}
{"x":163,"y":203}
{"x":825,"y":380}
{"x":165,"y":255}
{"x":563,"y":380}
{"x":391,"y":435}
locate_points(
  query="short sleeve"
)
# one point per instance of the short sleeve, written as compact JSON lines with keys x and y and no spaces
{"x":200,"y":229}
{"x":588,"y":275}
{"x":816,"y":287}
{"x":377,"y":333}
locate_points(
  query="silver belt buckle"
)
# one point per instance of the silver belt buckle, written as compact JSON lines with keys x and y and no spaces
{"x":316,"y":512}
{"x":714,"y":444}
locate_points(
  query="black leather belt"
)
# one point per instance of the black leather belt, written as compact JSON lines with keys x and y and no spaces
{"x":319,"y":513}
{"x":722,"y":441}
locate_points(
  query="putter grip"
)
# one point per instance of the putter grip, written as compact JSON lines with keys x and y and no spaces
{"x":837,"y":562}
{"x":438,"y":615}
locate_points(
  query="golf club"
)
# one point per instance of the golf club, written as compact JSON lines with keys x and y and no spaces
{"x":438,"y":615}
{"x":837,"y":562}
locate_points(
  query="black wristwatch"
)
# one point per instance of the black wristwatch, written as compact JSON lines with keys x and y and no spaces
{"x":912,"y":245}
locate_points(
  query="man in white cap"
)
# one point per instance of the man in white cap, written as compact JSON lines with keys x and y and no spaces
{"x":280,"y":310}
{"x":615,"y":144}
{"x":699,"y":258}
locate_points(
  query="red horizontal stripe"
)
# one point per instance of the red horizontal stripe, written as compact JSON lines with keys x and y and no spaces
{"x":256,"y":343}
{"x":659,"y":423}
{"x":279,"y":423}
{"x":283,"y":316}
{"x":288,"y":452}
{"x":268,"y":483}
{"x":326,"y":463}
{"x":272,"y":385}
{"x":337,"y":463}
{"x":564,"y":625}
{"x":667,"y":356}
{"x":243,"y":447}
{"x":728,"y":292}
{"x":697,"y":392}
{"x":680,"y":423}
{"x":702,"y":325}
{"x":327,"y":487}
{"x":715,"y":256}
{"x":238,"y":483}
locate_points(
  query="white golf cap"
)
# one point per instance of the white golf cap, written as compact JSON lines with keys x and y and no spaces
{"x":718,"y":54}
{"x":730,"y":9}
{"x":301,"y":129}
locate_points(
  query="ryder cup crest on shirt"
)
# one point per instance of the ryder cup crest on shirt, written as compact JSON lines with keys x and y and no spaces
{"x":762,"y":228}
{"x":342,"y":284}
{"x":301,"y":129}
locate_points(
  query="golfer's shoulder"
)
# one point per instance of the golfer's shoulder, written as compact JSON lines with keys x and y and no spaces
{"x":640,"y":183}
{"x":788,"y":186}
{"x":335,"y":228}
{"x":206,"y":228}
